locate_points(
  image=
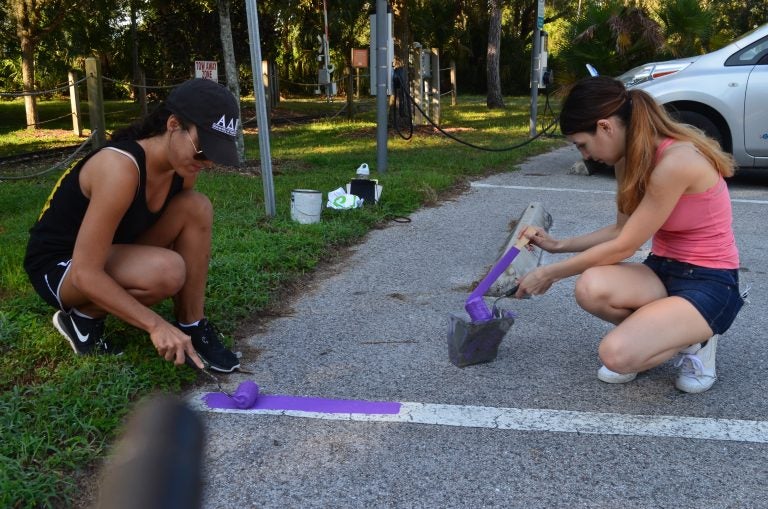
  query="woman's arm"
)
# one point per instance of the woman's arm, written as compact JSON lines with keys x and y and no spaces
{"x":668,"y":182}
{"x":110,"y":181}
{"x":539,"y":237}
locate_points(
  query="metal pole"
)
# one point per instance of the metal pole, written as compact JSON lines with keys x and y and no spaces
{"x":261,"y":108}
{"x":535,"y":80}
{"x":435,"y":86}
{"x":328,"y":87}
{"x":382,"y":68}
{"x":535,"y":63}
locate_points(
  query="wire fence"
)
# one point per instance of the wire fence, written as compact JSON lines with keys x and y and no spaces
{"x":28,"y":171}
{"x":57,"y":88}
{"x":18,"y":172}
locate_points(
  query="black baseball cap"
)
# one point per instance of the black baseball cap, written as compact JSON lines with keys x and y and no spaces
{"x":214,"y":111}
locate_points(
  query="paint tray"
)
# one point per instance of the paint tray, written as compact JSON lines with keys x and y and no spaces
{"x":476,"y":342}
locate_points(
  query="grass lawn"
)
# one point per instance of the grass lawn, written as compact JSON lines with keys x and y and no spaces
{"x":59,"y":413}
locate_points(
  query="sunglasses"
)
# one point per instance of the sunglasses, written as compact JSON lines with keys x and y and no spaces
{"x":199,"y":155}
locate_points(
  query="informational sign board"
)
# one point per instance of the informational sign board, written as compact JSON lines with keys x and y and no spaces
{"x":540,"y":15}
{"x":359,"y":57}
{"x":207,"y":69}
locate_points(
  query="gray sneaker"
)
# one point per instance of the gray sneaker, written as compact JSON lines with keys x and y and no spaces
{"x":697,"y":367}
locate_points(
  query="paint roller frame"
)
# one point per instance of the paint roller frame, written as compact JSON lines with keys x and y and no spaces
{"x":477,"y":340}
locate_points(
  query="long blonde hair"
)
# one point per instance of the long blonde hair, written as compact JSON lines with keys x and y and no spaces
{"x":596,"y":98}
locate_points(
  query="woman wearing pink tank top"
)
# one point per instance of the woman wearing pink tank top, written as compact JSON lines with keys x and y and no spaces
{"x":678,"y":302}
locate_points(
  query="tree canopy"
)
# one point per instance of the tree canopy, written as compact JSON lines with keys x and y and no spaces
{"x":613,"y":35}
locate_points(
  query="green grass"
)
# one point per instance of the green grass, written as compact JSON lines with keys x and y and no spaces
{"x":59,"y":413}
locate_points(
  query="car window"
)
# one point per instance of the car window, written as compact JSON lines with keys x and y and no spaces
{"x":751,"y":55}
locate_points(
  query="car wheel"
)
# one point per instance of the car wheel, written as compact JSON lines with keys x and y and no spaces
{"x":702,"y":122}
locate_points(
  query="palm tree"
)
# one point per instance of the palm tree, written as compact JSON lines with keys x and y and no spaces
{"x":613,"y":37}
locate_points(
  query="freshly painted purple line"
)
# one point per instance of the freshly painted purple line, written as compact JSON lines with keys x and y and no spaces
{"x":305,"y":404}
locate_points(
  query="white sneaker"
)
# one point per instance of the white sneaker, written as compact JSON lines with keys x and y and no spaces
{"x":697,"y":367}
{"x":611,"y":377}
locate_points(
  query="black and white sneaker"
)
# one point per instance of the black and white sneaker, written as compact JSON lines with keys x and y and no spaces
{"x":85,"y":335}
{"x":207,"y":342}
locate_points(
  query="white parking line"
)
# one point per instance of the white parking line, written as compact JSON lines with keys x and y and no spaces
{"x":534,"y":188}
{"x":589,"y":191}
{"x":553,"y":421}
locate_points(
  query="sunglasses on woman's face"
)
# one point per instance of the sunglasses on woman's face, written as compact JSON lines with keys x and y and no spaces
{"x":199,"y":155}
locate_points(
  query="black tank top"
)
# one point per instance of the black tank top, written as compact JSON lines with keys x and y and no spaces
{"x":52,"y":238}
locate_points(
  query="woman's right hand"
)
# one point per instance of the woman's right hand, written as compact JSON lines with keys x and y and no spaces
{"x":173,"y":345}
{"x":539,"y":237}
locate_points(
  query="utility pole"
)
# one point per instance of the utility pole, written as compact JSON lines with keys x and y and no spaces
{"x":382,"y":68}
{"x":536,"y":66}
{"x":261,"y":108}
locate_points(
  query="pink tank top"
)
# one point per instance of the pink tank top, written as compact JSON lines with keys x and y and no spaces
{"x":699,"y":229}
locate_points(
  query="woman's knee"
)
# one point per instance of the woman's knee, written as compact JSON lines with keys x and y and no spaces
{"x":591,"y":290}
{"x":195,"y":205}
{"x":168,"y":275}
{"x":615,"y":356}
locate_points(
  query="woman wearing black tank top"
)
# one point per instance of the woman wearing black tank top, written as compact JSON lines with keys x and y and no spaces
{"x":124,"y":229}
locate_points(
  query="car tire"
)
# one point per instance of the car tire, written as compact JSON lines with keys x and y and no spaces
{"x":700,"y":121}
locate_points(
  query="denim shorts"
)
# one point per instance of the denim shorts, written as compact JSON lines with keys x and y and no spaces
{"x":713,"y":292}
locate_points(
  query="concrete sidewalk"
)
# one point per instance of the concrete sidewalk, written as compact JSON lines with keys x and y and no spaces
{"x":376,"y":330}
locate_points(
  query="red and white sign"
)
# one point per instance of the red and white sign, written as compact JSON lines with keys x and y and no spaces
{"x":207,"y":69}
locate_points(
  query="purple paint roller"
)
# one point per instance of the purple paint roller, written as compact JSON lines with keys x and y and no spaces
{"x":246,"y":394}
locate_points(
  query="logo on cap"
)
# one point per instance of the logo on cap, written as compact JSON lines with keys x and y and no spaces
{"x":227,"y":128}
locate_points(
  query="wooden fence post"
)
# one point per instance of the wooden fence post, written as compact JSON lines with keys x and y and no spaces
{"x":453,"y":82}
{"x":417,"y":87}
{"x":95,"y":102}
{"x":274,"y":84}
{"x":74,"y":101}
{"x":350,"y":98}
{"x":141,"y":90}
{"x":266,"y":78}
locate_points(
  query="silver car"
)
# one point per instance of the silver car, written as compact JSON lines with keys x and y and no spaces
{"x":723,"y":93}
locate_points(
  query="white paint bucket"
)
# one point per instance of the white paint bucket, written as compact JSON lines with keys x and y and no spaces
{"x":306,"y":205}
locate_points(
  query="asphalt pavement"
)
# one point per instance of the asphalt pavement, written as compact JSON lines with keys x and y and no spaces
{"x":534,"y":428}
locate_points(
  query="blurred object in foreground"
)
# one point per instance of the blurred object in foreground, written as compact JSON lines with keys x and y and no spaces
{"x":157,"y":462}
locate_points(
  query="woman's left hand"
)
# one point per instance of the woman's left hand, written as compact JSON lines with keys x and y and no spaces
{"x":536,"y":282}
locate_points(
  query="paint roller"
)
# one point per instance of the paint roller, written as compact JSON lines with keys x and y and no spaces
{"x":477,"y":340}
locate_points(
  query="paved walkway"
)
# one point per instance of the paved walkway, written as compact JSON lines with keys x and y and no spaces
{"x":534,"y":428}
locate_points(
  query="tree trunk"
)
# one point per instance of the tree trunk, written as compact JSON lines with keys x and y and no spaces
{"x":495,"y":99}
{"x":230,"y":65}
{"x":28,"y":77}
{"x":24,"y":32}
{"x":402,"y":32}
{"x":139,"y":91}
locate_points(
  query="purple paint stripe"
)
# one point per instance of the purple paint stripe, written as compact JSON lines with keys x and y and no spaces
{"x":305,"y":404}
